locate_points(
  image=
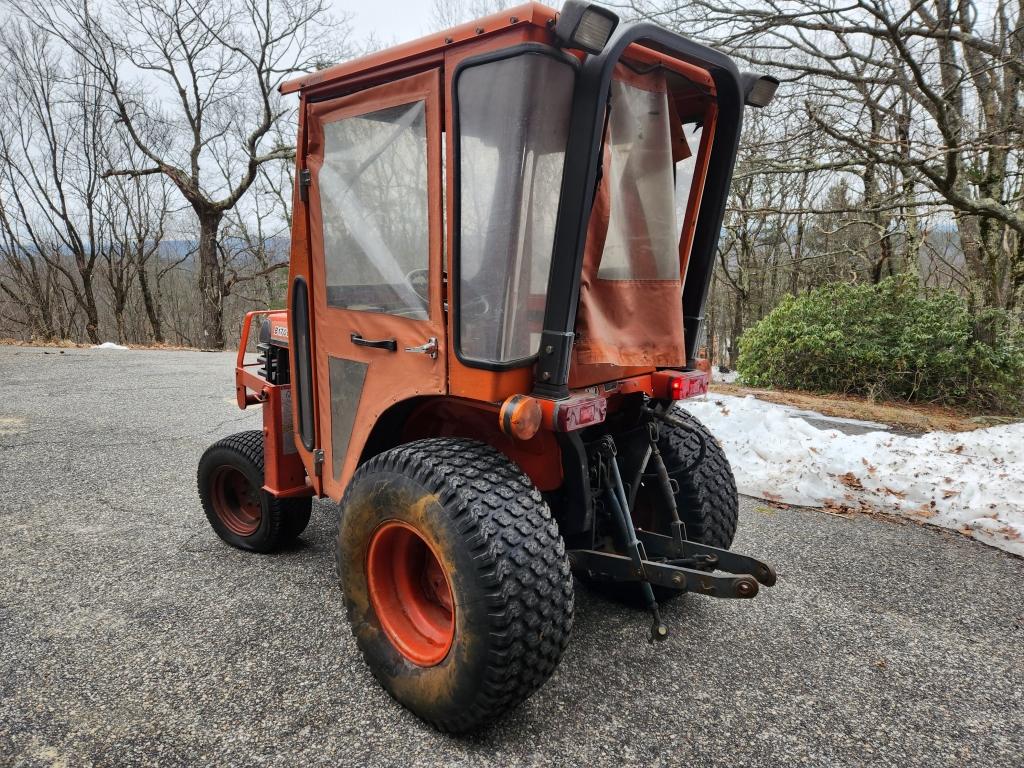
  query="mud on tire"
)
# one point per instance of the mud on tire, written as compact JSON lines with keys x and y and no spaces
{"x":230,"y":480}
{"x":505,"y":563}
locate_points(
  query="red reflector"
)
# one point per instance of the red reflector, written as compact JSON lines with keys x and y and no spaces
{"x":575,"y":414}
{"x":679,"y":385}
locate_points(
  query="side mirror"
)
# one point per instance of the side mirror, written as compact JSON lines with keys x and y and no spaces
{"x":758,"y":90}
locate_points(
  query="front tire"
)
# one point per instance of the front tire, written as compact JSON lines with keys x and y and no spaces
{"x":455,"y":578}
{"x":230,"y":480}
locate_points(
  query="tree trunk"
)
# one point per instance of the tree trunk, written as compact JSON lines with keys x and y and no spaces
{"x":210,"y":282}
{"x":92,"y":315}
{"x":120,"y":304}
{"x":737,"y":331}
{"x":149,"y":301}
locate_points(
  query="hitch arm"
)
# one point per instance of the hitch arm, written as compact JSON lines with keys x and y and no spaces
{"x":612,"y":567}
{"x":657,"y":545}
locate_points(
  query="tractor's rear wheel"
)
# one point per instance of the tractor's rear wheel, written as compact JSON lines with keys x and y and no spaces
{"x":455,"y":578}
{"x":230,"y":480}
{"x":707,"y":500}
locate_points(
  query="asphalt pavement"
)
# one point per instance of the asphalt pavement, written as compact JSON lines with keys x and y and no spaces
{"x":129,"y":635}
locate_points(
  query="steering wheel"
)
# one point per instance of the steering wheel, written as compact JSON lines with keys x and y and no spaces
{"x":419,"y":281}
{"x":472,"y":306}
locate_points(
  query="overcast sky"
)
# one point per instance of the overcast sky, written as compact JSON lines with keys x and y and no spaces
{"x":392,"y":21}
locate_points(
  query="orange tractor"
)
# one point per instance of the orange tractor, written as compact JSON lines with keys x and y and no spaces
{"x":502,"y":243}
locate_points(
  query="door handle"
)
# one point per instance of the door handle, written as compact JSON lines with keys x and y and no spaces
{"x":389,"y":344}
{"x":428,"y":348}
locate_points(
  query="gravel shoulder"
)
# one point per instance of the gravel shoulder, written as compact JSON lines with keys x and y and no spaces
{"x":129,"y":635}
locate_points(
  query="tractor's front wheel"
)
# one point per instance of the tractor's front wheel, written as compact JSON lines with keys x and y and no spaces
{"x":230,"y":480}
{"x":455,"y":578}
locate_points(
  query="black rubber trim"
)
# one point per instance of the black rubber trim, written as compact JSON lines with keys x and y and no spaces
{"x":579,"y":181}
{"x":453,"y":281}
{"x":302,"y":378}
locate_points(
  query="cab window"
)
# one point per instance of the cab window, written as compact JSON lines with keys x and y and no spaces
{"x":373,"y":191}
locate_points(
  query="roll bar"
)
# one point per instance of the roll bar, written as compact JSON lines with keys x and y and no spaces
{"x":579,"y":181}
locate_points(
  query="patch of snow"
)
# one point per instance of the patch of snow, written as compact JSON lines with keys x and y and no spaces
{"x":109,"y":345}
{"x":724,"y":378}
{"x":834,"y":419}
{"x":972,"y":482}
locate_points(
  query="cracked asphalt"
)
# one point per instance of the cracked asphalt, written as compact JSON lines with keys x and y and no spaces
{"x":129,"y":635}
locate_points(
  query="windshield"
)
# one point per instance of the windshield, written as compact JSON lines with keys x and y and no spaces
{"x":513,"y":123}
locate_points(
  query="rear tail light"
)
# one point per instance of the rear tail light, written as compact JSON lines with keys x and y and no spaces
{"x":579,"y":412}
{"x":679,"y":385}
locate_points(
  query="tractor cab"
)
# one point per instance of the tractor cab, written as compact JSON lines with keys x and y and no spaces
{"x":503,"y":239}
{"x":525,"y":205}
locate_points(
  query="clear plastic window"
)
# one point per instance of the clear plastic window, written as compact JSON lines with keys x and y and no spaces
{"x":373,"y":198}
{"x":692,"y":133}
{"x":643,"y":230}
{"x":513,"y":127}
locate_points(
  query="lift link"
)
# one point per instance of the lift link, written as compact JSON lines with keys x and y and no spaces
{"x":607,"y":566}
{"x":668,"y":492}
{"x":638,"y":559}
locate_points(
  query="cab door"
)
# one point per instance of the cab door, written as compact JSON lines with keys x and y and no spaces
{"x":375,"y":239}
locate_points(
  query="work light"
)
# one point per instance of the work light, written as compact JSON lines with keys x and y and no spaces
{"x":584,"y":26}
{"x":758,"y":90}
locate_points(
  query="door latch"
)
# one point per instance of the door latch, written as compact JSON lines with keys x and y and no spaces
{"x":428,"y":348}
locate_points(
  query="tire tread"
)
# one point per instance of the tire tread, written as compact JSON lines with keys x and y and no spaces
{"x":707,"y":498}
{"x":288,"y":518}
{"x":520,"y":557}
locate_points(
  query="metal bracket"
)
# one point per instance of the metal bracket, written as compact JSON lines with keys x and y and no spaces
{"x":553,"y":364}
{"x":659,"y":546}
{"x":318,"y":462}
{"x":613,"y":567}
{"x":305,"y":180}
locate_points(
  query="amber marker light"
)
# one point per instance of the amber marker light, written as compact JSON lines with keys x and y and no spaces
{"x":520,"y":417}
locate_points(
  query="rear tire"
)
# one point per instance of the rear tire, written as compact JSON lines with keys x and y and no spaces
{"x":230,"y":480}
{"x":707,"y":500}
{"x":469,"y":518}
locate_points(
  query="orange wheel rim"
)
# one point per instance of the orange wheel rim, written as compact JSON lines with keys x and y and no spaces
{"x":410,"y":593}
{"x":236,"y":501}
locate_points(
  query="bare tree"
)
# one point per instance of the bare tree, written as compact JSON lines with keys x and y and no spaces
{"x":135,"y":217}
{"x":256,"y":247}
{"x":53,"y":128}
{"x":926,"y":91}
{"x":450,"y":13}
{"x":193,"y":84}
